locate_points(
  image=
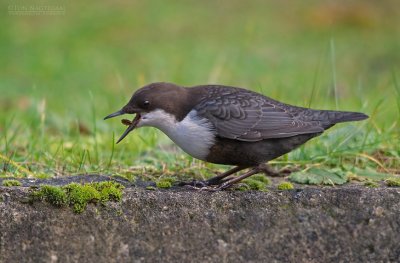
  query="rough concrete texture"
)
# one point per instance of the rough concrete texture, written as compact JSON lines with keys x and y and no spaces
{"x":346,"y":224}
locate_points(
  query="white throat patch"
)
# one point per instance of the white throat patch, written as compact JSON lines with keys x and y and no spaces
{"x":194,"y":134}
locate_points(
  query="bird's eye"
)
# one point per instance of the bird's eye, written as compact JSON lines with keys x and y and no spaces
{"x":146,"y":103}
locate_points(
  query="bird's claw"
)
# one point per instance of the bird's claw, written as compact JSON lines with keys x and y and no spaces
{"x":204,"y":186}
{"x":195,"y":184}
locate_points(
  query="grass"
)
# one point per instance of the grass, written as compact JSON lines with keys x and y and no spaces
{"x":62,"y":74}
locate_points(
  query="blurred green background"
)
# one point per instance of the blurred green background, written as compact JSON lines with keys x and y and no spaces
{"x":61,"y":74}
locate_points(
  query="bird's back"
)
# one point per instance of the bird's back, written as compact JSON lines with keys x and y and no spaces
{"x":245,"y":115}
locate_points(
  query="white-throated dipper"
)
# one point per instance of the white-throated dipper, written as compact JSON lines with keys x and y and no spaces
{"x":227,"y":125}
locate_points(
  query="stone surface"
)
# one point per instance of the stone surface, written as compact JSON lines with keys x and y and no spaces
{"x":344,"y":224}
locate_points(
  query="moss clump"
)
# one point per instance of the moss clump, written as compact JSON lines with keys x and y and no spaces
{"x":371,"y":184}
{"x":42,"y":176}
{"x":393,"y":182}
{"x":254,"y":184}
{"x":53,"y":194}
{"x":109,"y":191}
{"x":242,"y":187}
{"x":285,"y":186}
{"x":163,"y":184}
{"x":261,"y":178}
{"x":130,"y":176}
{"x":151,"y":188}
{"x":79,"y":195}
{"x":11,"y":182}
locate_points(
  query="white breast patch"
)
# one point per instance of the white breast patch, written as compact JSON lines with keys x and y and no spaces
{"x":195,"y":135}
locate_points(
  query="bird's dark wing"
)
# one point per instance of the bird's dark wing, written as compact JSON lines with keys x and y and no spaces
{"x":247,"y":116}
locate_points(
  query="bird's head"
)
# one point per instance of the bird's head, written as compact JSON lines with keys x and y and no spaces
{"x":151,"y":104}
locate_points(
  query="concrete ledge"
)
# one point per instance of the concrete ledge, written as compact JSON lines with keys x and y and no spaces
{"x":349,"y":224}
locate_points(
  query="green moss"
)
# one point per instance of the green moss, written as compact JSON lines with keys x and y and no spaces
{"x":169,"y":179}
{"x":11,"y":182}
{"x":242,"y":187}
{"x":254,"y":184}
{"x":53,"y":194}
{"x":79,"y":195}
{"x":109,"y":191}
{"x":163,"y":184}
{"x":285,"y":186}
{"x":261,"y":178}
{"x":371,"y":184}
{"x":393,"y":182}
{"x":127,"y":175}
{"x":152,"y":188}
{"x":43,"y":176}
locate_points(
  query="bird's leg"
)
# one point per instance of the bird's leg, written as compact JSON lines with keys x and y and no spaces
{"x":217,"y":179}
{"x":228,"y":183}
{"x":269,"y":171}
{"x":223,"y":184}
{"x":261,"y":168}
{"x":214,"y":180}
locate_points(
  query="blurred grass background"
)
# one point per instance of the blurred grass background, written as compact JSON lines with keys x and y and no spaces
{"x":61,"y":74}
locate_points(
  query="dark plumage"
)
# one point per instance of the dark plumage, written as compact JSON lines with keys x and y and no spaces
{"x":239,"y":127}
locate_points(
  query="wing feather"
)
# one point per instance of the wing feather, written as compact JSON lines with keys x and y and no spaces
{"x":247,"y":116}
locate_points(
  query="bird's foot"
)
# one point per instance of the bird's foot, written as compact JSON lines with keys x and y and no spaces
{"x":222,"y":186}
{"x":207,"y":185}
{"x":225,"y":181}
{"x":195,"y":184}
{"x":202,"y":188}
{"x":214,"y":181}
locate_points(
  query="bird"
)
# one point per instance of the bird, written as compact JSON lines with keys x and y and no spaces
{"x":227,"y":125}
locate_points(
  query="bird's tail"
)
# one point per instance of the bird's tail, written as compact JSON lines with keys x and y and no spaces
{"x":343,"y":116}
{"x":330,"y":118}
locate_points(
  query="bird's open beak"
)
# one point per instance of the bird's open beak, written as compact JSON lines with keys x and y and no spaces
{"x":115,"y":114}
{"x":131,"y":124}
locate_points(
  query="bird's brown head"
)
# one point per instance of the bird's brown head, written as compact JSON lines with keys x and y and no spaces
{"x":167,"y":97}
